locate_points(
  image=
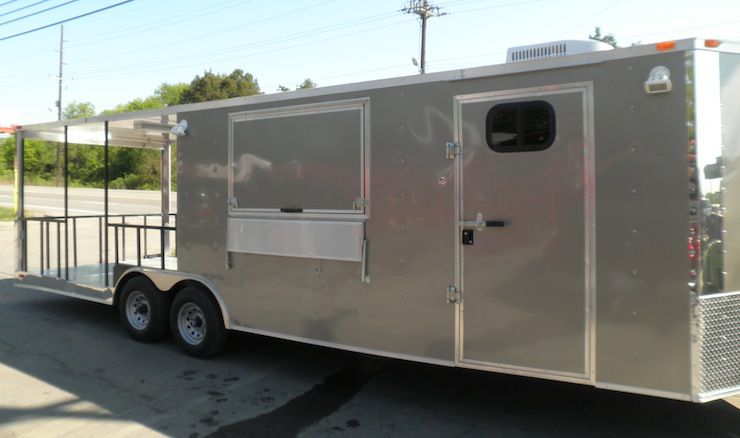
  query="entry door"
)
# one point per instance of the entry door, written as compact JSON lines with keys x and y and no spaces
{"x":525,"y":214}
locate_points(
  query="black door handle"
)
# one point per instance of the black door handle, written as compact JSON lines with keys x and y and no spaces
{"x":496,"y":223}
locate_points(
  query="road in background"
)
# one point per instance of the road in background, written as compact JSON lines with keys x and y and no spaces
{"x":49,"y":201}
{"x":68,"y":368}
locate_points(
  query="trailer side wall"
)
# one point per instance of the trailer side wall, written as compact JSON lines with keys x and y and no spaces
{"x":642,"y":301}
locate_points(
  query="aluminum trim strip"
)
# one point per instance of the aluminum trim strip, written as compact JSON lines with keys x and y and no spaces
{"x":300,"y":110}
{"x":534,"y":371}
{"x":716,"y":395}
{"x":644,"y":391}
{"x":108,"y":301}
{"x":306,"y":215}
{"x":589,"y":205}
{"x":525,"y":373}
{"x":370,"y":351}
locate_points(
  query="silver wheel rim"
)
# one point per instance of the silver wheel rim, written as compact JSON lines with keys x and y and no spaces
{"x":138,"y":310}
{"x":191,"y":323}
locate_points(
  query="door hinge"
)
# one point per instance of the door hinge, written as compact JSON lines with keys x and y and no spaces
{"x":452,"y":150}
{"x":359,"y":204}
{"x":233,"y":203}
{"x":453,"y":295}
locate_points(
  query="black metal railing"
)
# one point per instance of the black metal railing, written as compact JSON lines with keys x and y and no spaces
{"x":56,"y":228}
{"x":121,"y":229}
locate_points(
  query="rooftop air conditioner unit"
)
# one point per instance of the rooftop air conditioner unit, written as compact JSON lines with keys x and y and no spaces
{"x":554,"y":49}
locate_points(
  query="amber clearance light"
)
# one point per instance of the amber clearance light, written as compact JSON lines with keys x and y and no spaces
{"x":665,"y":45}
{"x":712,"y":43}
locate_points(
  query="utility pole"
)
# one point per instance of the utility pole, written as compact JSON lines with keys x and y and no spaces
{"x":59,"y":100}
{"x":424,"y":10}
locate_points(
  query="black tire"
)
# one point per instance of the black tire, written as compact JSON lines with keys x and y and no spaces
{"x":196,"y":323}
{"x":144,"y":310}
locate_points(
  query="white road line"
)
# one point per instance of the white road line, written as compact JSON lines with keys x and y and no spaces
{"x":47,"y":207}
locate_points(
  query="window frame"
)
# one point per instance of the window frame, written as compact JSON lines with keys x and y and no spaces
{"x":521,"y":146}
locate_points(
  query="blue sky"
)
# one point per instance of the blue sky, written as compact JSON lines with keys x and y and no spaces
{"x":126,"y":52}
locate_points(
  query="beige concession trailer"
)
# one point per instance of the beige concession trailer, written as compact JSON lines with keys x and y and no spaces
{"x":572,"y":214}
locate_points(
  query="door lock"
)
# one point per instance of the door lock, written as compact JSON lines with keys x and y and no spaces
{"x":468,"y":236}
{"x":479,"y":224}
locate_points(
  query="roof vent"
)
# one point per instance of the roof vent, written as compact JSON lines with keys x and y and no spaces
{"x":554,"y":49}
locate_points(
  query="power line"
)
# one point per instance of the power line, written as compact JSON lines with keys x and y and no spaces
{"x":169,"y":19}
{"x":267,"y":42}
{"x":127,"y":70}
{"x":66,"y":20}
{"x":155,"y":26}
{"x":24,"y":7}
{"x":39,"y":12}
{"x":201,"y":36}
{"x":262,"y":43}
{"x":7,"y":3}
{"x":122,"y":72}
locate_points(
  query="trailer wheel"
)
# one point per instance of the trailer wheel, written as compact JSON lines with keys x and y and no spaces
{"x":196,"y":324}
{"x":144,"y":310}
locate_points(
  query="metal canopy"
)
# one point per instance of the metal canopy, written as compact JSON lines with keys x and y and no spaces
{"x":139,"y":131}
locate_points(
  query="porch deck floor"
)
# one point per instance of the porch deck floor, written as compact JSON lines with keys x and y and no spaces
{"x":94,"y":275}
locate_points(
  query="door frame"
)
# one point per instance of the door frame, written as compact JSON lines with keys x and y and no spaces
{"x":589,"y":178}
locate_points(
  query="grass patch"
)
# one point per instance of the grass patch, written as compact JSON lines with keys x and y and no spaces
{"x":6,"y":214}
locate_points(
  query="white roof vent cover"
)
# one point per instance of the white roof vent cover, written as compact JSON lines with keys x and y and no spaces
{"x":554,"y":49}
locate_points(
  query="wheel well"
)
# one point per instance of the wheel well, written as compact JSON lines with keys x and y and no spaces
{"x":180,"y":285}
{"x":125,"y":279}
{"x":173,"y":291}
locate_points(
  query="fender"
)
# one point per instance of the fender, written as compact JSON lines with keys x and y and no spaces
{"x":165,"y":280}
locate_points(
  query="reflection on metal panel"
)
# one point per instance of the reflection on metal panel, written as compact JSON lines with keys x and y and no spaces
{"x":729,"y":170}
{"x":330,"y":240}
{"x":707,"y":179}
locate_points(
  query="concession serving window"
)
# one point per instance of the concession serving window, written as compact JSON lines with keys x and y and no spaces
{"x":298,"y":180}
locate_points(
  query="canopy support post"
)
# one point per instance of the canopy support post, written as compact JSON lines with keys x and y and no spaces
{"x":166,"y":189}
{"x":21,"y":263}
{"x":106,"y":177}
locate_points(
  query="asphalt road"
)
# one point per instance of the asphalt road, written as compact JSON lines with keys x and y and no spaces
{"x":82,"y":201}
{"x":67,"y":368}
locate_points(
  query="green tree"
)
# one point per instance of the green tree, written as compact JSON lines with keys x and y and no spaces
{"x":78,"y":110}
{"x":164,"y":95}
{"x":608,"y":38}
{"x":307,"y":83}
{"x":170,"y":94}
{"x":215,"y":86}
{"x":282,"y":88}
{"x":138,"y":104}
